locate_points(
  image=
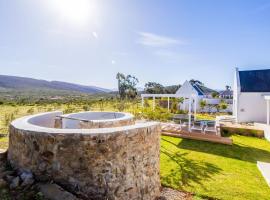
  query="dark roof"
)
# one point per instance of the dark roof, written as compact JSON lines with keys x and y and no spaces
{"x":226,"y":92}
{"x":197,"y":88}
{"x":255,"y":80}
{"x":202,"y":90}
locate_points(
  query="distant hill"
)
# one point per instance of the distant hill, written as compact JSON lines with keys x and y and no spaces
{"x":27,"y":84}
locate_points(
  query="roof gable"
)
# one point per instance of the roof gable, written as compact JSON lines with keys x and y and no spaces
{"x":187,"y":89}
{"x":255,"y":80}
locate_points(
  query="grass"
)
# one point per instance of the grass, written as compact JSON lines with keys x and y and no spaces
{"x":215,"y":171}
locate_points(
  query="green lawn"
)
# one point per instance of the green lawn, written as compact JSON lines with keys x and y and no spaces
{"x":215,"y":171}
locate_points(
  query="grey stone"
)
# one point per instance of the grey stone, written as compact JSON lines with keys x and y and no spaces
{"x":15,"y":183}
{"x":27,"y":179}
{"x":55,"y":192}
{"x":9,"y":178}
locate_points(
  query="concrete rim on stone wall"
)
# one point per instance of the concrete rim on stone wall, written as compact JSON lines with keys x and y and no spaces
{"x":95,"y":119}
{"x":44,"y":123}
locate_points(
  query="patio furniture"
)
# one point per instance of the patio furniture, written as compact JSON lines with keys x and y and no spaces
{"x":182,"y":119}
{"x":211,"y":127}
{"x":197,"y":126}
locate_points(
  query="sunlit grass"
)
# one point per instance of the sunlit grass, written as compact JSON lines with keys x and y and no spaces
{"x":214,"y":170}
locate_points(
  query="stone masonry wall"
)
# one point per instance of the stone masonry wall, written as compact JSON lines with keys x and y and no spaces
{"x":122,"y":165}
{"x":106,"y":124}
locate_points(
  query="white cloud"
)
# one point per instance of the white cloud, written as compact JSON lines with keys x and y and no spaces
{"x":154,"y":40}
{"x":113,"y":62}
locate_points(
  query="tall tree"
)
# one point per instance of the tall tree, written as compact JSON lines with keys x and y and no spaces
{"x":171,"y":89}
{"x":127,"y":86}
{"x":153,"y":88}
{"x":121,"y":84}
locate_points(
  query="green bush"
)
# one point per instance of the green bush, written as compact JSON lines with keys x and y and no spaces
{"x":228,"y":131}
{"x":158,"y":113}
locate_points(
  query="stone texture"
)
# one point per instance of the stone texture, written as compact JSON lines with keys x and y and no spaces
{"x":55,"y":192}
{"x":120,"y":165}
{"x":27,"y":178}
{"x":14,"y":183}
{"x":106,"y":124}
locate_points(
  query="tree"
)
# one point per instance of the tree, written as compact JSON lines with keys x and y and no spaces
{"x":215,"y":94}
{"x":121,"y":84}
{"x":228,"y":87}
{"x":127,"y":86}
{"x":193,"y":81}
{"x":153,"y":88}
{"x":131,"y":90}
{"x":171,"y":89}
{"x":223,"y":105}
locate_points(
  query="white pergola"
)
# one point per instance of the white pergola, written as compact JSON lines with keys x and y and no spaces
{"x":168,"y":96}
{"x":267,"y":98}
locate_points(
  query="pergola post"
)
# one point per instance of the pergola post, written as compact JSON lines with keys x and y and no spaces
{"x":154,"y":102}
{"x":168,"y":103}
{"x":195,"y":108}
{"x":189,"y":114}
{"x":142,"y":102}
{"x":267,"y":105}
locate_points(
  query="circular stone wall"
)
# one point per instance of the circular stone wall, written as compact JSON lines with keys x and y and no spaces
{"x":108,"y":163}
{"x":89,"y":120}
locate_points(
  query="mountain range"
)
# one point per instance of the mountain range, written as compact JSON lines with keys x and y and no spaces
{"x":24,"y":83}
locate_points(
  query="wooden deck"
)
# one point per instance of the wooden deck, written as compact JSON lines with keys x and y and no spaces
{"x":174,"y":130}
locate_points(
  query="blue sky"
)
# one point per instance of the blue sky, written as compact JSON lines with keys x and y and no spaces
{"x":167,"y":41}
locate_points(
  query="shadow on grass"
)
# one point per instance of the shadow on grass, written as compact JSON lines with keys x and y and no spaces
{"x":235,"y":151}
{"x":187,"y":171}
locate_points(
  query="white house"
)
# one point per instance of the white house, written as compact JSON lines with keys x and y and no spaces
{"x":251,"y":95}
{"x":200,"y":92}
{"x":192,"y":93}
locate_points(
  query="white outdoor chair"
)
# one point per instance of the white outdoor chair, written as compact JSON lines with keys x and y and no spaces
{"x":211,"y":127}
{"x":197,"y":126}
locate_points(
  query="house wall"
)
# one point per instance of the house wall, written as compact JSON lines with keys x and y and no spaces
{"x":211,"y":101}
{"x":251,"y":107}
{"x":185,"y":104}
{"x":236,"y":92}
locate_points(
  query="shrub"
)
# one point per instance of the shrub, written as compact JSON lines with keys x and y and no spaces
{"x":158,"y":113}
{"x":31,"y":110}
{"x":228,"y":131}
{"x":86,"y":108}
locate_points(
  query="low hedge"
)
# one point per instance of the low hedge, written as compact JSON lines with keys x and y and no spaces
{"x":228,"y":131}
